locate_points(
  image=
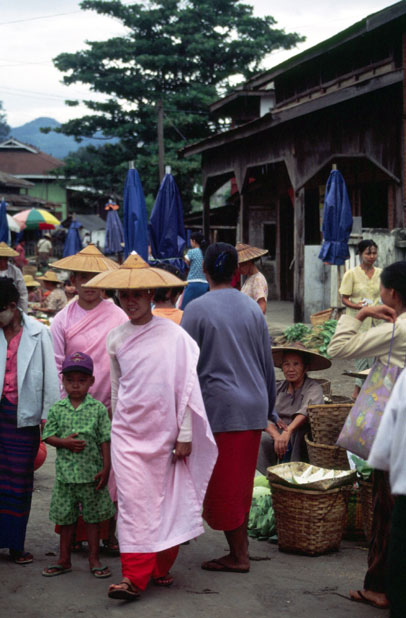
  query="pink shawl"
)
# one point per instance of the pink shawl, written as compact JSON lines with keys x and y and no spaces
{"x":159,"y":503}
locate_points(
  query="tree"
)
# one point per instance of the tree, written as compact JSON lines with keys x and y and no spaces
{"x":185,"y":53}
{"x":4,"y":128}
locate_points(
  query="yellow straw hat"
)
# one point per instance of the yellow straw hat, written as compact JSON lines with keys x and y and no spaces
{"x":89,"y":260}
{"x":6,"y":251}
{"x":247,"y":253}
{"x":313,"y":360}
{"x":135,"y":274}
{"x":30,"y":282}
{"x":49,"y":276}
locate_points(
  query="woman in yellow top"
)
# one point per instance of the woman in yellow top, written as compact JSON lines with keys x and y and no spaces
{"x":360,"y":288}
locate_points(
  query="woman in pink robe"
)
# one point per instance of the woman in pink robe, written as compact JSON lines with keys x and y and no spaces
{"x":158,"y":415}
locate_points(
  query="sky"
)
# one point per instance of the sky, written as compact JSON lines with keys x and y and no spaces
{"x":32,"y":33}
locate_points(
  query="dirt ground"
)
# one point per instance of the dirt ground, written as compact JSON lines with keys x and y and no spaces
{"x":279,"y":585}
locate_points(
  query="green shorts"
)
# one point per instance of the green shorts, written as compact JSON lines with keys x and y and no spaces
{"x":68,"y":497}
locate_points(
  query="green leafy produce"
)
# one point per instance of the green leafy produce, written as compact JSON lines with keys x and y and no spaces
{"x":261,"y":481}
{"x":363,"y":469}
{"x":261,"y":522}
{"x":296,"y":332}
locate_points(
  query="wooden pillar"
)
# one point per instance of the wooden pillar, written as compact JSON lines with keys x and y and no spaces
{"x":244,"y":220}
{"x":206,"y":217}
{"x":403,"y":153}
{"x":299,"y":243}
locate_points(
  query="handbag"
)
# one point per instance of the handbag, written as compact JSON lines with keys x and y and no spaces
{"x":362,"y":423}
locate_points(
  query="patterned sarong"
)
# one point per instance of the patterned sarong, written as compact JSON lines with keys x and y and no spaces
{"x":18,"y":448}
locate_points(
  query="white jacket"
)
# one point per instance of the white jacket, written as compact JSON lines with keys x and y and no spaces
{"x":38,"y":386}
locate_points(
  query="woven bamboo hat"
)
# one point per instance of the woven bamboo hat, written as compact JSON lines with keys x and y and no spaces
{"x":30,"y":282}
{"x":314,"y":361}
{"x":49,"y":276}
{"x":247,"y":253}
{"x":6,"y":251}
{"x":89,"y":260}
{"x":135,"y":274}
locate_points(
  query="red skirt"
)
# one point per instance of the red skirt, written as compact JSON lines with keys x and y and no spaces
{"x":229,"y":494}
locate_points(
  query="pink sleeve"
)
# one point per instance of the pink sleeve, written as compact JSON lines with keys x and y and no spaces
{"x":58,"y":337}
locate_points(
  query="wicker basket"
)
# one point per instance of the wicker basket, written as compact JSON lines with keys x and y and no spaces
{"x":341,"y":399}
{"x":326,"y":421}
{"x":327,"y":456}
{"x":309,"y":522}
{"x":325,"y":385}
{"x":365,"y":490}
{"x":320,"y":317}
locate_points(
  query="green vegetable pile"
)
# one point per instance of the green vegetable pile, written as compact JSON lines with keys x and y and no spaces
{"x":261,"y":522}
{"x":315,"y":339}
{"x":363,"y":469}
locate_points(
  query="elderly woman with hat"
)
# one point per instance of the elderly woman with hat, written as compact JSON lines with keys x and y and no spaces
{"x":56,"y":300}
{"x":285,"y":440}
{"x":7,"y":269}
{"x":162,"y":448}
{"x":255,"y":285}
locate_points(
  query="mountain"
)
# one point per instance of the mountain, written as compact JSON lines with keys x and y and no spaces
{"x":55,"y":144}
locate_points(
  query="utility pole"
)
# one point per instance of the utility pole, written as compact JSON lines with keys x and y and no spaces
{"x":161,"y":147}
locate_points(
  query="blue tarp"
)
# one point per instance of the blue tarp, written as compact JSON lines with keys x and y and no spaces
{"x":135,"y":216}
{"x":73,"y":243}
{"x":166,"y":226}
{"x":4,"y":230}
{"x":114,"y":234}
{"x":337,"y":221}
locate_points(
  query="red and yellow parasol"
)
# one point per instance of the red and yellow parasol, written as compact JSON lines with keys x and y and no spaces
{"x":36,"y":219}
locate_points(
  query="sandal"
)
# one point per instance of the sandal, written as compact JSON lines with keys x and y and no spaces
{"x":111,"y":548}
{"x":56,"y":569}
{"x":21,"y":557}
{"x":165,"y":581}
{"x":101,"y":572}
{"x":129,"y":593}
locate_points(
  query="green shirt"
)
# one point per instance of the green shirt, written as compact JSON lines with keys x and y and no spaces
{"x":91,"y":422}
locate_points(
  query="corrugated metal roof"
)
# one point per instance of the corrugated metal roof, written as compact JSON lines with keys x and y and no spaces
{"x":8,"y":180}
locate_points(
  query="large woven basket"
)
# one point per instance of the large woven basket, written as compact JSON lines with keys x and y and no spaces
{"x":326,"y":421}
{"x":354,"y":527}
{"x":325,"y":385}
{"x":309,"y":522}
{"x":365,"y":490}
{"x":327,"y":456}
{"x":321,"y":316}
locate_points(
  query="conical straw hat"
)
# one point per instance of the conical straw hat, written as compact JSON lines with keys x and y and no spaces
{"x":49,"y":276}
{"x":314,"y":361}
{"x":135,"y":274}
{"x":6,"y":251}
{"x":30,"y":281}
{"x":89,"y":260}
{"x":247,"y":253}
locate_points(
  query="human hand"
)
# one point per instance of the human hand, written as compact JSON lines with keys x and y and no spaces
{"x":379,"y":312}
{"x":281,"y":443}
{"x":281,"y":425}
{"x":102,"y":477}
{"x":181,"y":451}
{"x":73,"y":444}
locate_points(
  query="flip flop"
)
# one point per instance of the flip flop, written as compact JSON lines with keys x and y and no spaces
{"x":101,"y":572}
{"x":21,"y":557}
{"x":125,"y":594}
{"x":59,"y":570}
{"x":363,"y":599}
{"x":217,"y":565}
{"x":165,"y":581}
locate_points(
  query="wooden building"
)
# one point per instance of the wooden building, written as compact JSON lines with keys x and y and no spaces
{"x":341,"y":102}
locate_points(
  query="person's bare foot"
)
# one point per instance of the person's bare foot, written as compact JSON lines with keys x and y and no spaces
{"x":376,"y":599}
{"x":227,"y":563}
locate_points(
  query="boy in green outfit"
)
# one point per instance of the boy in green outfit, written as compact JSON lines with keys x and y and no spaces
{"x":79,"y":427}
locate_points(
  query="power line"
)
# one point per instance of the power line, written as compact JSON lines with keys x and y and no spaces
{"x":20,"y":21}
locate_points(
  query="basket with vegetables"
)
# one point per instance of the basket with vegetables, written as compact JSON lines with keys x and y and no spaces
{"x":315,"y":339}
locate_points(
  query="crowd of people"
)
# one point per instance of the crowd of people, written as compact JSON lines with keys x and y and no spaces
{"x":161,"y":414}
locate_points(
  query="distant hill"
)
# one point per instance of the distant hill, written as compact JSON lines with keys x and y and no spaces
{"x":55,"y":144}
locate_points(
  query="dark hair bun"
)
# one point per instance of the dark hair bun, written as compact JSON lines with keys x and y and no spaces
{"x":221,"y":262}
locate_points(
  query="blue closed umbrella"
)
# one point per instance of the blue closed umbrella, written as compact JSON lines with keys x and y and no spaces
{"x":166,"y":225}
{"x":4,"y":230}
{"x":73,"y":243}
{"x":135,"y":216}
{"x":337,"y":221}
{"x":114,"y":233}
